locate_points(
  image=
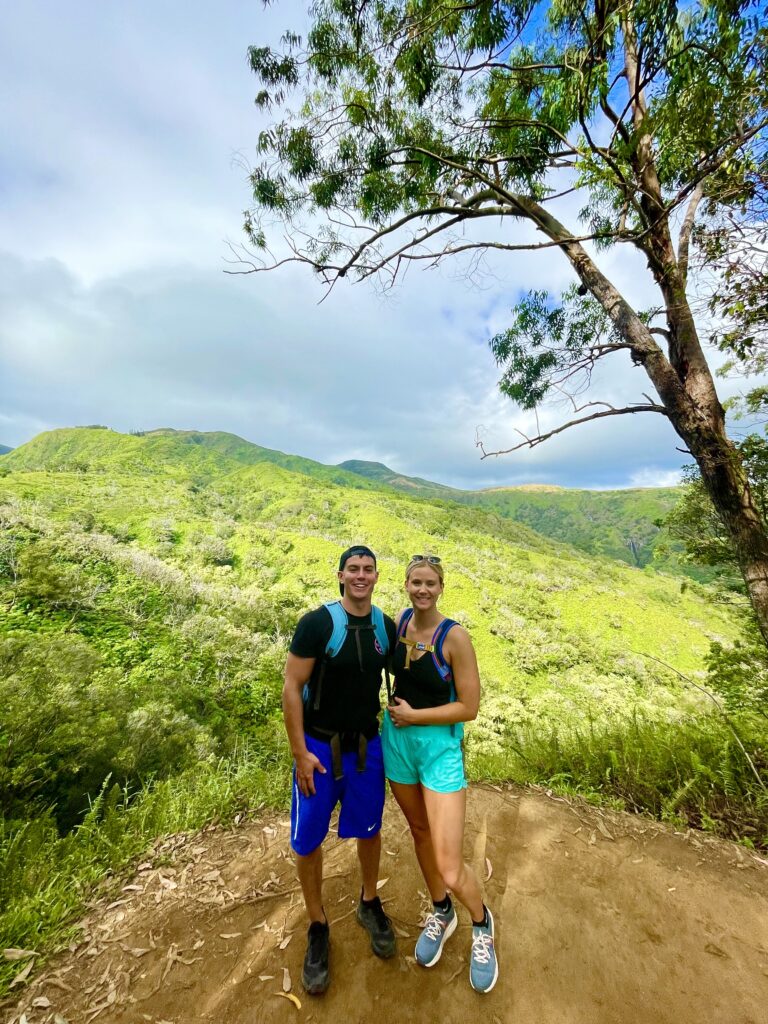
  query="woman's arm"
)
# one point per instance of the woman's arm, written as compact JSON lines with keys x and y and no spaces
{"x":460,"y":655}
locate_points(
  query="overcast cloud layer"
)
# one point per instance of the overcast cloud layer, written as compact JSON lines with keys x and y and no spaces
{"x":124,"y":132}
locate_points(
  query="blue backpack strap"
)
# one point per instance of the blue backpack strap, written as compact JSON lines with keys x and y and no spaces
{"x":311,"y":694}
{"x":437,"y":655}
{"x":339,"y":632}
{"x":441,"y":664}
{"x":402,"y":625}
{"x":380,"y":629}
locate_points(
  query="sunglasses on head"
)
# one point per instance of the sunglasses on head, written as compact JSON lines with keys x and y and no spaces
{"x":432,"y":559}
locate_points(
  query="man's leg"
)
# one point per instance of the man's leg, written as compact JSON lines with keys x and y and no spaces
{"x":360,"y":818}
{"x":369,"y":855}
{"x":309,"y":868}
{"x":310,"y":816}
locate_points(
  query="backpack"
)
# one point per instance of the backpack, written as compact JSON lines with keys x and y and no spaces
{"x":311,"y":694}
{"x":438,"y":638}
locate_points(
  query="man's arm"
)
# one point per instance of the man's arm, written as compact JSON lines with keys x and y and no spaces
{"x":297,"y":673}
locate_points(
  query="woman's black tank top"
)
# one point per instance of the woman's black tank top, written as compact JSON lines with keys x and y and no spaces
{"x":421,"y":685}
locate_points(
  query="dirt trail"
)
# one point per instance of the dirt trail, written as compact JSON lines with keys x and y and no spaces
{"x":601,"y":919}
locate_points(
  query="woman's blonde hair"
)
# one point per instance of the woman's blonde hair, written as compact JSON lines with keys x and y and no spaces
{"x":427,"y":560}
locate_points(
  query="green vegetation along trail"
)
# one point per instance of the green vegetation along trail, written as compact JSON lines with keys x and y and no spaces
{"x":602,"y":918}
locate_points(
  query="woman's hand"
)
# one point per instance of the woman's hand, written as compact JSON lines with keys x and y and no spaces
{"x":401,"y":713}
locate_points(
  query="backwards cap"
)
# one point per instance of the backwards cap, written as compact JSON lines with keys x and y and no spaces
{"x":356,"y":549}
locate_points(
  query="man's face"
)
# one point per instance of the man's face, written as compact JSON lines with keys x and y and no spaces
{"x":359,"y":576}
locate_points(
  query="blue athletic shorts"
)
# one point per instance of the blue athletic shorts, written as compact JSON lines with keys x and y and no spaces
{"x":361,"y":795}
{"x":426,"y":754}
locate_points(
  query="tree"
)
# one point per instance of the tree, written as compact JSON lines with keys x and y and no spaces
{"x":695,"y":522}
{"x":427,"y":123}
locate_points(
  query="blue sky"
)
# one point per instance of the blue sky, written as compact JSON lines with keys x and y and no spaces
{"x":125,"y":131}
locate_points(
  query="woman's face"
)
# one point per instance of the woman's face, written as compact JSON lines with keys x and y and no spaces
{"x":423,"y":586}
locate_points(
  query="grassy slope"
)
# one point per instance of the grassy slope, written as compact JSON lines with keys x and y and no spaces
{"x":618,"y":524}
{"x":520,"y":593}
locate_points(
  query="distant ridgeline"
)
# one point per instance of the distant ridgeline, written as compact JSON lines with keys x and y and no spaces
{"x":617,"y":524}
{"x":4,"y":449}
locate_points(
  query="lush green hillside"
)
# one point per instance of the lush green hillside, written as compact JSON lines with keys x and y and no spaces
{"x":618,"y":524}
{"x":165,"y":451}
{"x":148,"y":589}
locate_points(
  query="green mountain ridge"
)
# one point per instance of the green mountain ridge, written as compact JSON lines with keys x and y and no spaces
{"x":617,"y":524}
{"x":4,"y":449}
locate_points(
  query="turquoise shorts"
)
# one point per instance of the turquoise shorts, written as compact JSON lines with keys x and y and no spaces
{"x":426,"y":754}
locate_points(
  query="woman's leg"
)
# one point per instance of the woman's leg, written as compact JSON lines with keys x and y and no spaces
{"x":411,"y":801}
{"x":445,"y":816}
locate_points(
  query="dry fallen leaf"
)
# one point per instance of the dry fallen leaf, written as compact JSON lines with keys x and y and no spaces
{"x":488,"y":869}
{"x":22,"y":976}
{"x":230,"y":935}
{"x":58,"y":1019}
{"x":604,"y":830}
{"x":381,"y":883}
{"x":286,"y":980}
{"x":291,"y":996}
{"x":18,"y":954}
{"x":266,"y":977}
{"x":41,"y":1003}
{"x":285,"y":941}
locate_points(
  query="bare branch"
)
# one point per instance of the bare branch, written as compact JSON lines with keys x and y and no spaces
{"x":532,"y":442}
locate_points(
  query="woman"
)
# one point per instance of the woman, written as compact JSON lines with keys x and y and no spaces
{"x":437,"y":689}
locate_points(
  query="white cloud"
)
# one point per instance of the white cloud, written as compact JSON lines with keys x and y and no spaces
{"x":650,"y":476}
{"x":121,"y":184}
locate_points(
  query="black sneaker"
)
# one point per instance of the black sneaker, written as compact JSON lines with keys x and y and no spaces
{"x":372,"y":917}
{"x":315,"y":974}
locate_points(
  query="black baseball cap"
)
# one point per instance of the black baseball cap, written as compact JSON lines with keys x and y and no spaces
{"x":356,"y":549}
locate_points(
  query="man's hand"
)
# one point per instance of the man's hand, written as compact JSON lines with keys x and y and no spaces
{"x":306,"y":766}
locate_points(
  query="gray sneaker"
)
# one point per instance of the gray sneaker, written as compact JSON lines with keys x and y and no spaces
{"x":439,"y":927}
{"x":483,"y":965}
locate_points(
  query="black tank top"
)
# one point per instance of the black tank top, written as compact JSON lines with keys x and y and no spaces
{"x":420,"y":684}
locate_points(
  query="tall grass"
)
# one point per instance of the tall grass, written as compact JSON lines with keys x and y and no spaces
{"x":695,"y":772}
{"x":45,"y":878}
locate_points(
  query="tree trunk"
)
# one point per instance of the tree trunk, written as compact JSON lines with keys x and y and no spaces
{"x":687,"y":391}
{"x":726,"y":482}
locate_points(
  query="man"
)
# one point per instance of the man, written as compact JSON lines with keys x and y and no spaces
{"x":331,"y":706}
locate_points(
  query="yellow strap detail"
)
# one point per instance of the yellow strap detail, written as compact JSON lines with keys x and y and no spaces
{"x":417,"y":645}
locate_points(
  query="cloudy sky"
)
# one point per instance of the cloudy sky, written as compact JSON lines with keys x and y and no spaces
{"x":124,"y":132}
